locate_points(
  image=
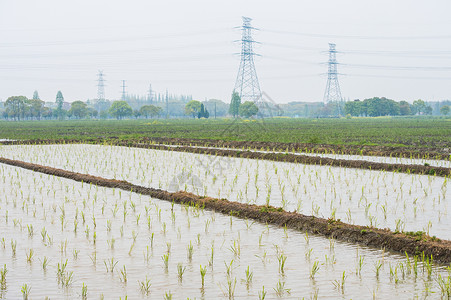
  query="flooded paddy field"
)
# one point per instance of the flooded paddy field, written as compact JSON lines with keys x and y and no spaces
{"x":401,"y":202}
{"x":64,"y":239}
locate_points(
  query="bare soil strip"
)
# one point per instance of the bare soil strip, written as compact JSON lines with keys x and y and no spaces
{"x":413,"y":244}
{"x":283,"y":157}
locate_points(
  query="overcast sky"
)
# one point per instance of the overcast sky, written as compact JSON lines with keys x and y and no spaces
{"x":399,"y":49}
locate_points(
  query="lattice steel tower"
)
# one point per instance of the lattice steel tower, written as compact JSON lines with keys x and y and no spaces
{"x":246,"y":84}
{"x":124,"y":93}
{"x":332,"y":93}
{"x":100,"y":86}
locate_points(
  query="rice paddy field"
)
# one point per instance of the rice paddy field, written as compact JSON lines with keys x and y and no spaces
{"x":401,"y":202}
{"x":64,"y":239}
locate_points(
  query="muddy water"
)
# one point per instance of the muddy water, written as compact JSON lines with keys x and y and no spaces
{"x":46,"y":202}
{"x":382,"y":199}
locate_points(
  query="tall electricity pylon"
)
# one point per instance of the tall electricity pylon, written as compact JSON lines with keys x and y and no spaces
{"x":246,"y":84}
{"x":124,"y":93}
{"x":100,"y":86}
{"x":332,"y":93}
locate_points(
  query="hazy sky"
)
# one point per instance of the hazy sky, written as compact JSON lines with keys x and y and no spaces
{"x":399,"y":49}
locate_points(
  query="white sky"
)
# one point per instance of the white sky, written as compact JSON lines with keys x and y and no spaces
{"x":399,"y":49}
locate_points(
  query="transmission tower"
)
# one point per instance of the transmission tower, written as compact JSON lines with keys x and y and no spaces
{"x":332,"y":93}
{"x":150,"y":94}
{"x":100,"y":86}
{"x":124,"y":94}
{"x":246,"y":84}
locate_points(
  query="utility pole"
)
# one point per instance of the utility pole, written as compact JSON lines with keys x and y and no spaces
{"x":333,"y":93}
{"x":246,"y":84}
{"x":123,"y":90}
{"x":150,"y":96}
{"x":100,"y":86}
{"x":167,"y":105}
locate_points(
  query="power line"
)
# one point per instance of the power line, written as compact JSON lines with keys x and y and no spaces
{"x":113,"y":40}
{"x":359,"y":37}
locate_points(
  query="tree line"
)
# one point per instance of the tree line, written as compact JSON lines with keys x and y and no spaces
{"x":22,"y":108}
{"x":375,"y":107}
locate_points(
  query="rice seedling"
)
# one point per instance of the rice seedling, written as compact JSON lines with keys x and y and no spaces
{"x":25,"y":289}
{"x":145,"y":286}
{"x":190,"y":249}
{"x":110,"y":264}
{"x":314,"y":269}
{"x":123,"y":274}
{"x":84,"y":291}
{"x":340,"y":284}
{"x":30,"y":230}
{"x":165,"y":259}
{"x":248,"y":276}
{"x":75,"y":254}
{"x":282,"y":259}
{"x":29,"y":255}
{"x":235,"y":248}
{"x":13,"y":247}
{"x":180,"y":271}
{"x":262,"y":294}
{"x":280,"y":289}
{"x":359,"y":265}
{"x":3,"y":272}
{"x":167,"y":295}
{"x":203,"y":271}
{"x":445,"y":285}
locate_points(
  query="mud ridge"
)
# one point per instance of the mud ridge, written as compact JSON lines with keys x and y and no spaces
{"x":367,"y":150}
{"x":369,"y":236}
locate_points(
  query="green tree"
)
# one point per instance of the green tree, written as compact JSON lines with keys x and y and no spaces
{"x":36,"y":107}
{"x":120,"y":109}
{"x":248,"y":109}
{"x":353,"y":108}
{"x":203,"y":113}
{"x":234,"y":108}
{"x":150,"y":111}
{"x":46,"y":113}
{"x":192,"y":108}
{"x":444,"y":110}
{"x":78,"y":109}
{"x":381,"y":107}
{"x":15,"y":107}
{"x":145,"y":111}
{"x":59,"y":105}
{"x":155,"y":111}
{"x":404,"y":108}
{"x":419,"y":107}
{"x":36,"y":95}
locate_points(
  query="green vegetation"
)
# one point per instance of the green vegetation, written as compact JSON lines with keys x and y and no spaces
{"x":400,"y":131}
